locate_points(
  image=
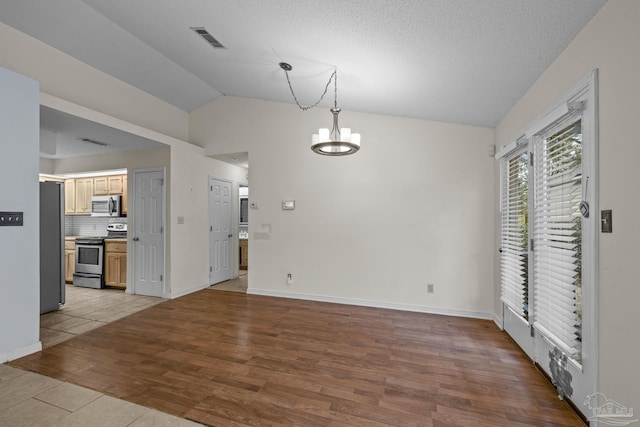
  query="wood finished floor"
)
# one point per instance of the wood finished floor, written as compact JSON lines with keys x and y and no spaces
{"x":230,"y":359}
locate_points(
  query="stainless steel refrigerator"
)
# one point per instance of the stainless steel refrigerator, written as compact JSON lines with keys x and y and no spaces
{"x":52,"y":274}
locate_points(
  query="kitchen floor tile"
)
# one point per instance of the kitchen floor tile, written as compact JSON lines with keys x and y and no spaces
{"x":32,"y":413}
{"x":52,"y":318}
{"x":23,"y":387}
{"x":87,"y":309}
{"x":104,"y":411}
{"x":68,"y":396}
{"x":155,"y":418}
{"x":50,"y":337}
{"x":90,"y":325}
{"x":8,"y":372}
{"x":66,"y":323}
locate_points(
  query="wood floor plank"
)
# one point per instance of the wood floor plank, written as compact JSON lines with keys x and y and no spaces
{"x":230,"y":359}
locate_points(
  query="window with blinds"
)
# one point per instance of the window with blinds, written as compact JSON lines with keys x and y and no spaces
{"x":557,"y":229}
{"x":514,"y":209}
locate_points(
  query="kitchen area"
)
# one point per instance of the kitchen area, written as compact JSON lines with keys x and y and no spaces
{"x":95,"y":225}
{"x":84,"y":254}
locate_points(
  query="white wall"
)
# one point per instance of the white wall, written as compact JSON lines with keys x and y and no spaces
{"x":610,"y":43}
{"x":190,"y":172}
{"x":19,"y":188}
{"x":414,"y":206}
{"x":67,"y":78}
{"x":146,"y":158}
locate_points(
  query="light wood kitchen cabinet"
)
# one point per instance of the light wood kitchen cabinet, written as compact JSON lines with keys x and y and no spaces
{"x":115,"y":184}
{"x":107,"y":185}
{"x":69,"y":259}
{"x":115,"y":263}
{"x":123,"y":206}
{"x":84,"y":192}
{"x":69,"y":196}
{"x":244,"y":254}
{"x":100,"y":186}
{"x":78,"y":192}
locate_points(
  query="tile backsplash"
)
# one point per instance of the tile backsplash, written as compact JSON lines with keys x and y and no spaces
{"x":76,"y":225}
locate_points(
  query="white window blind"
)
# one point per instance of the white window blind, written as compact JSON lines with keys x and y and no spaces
{"x":557,"y":229}
{"x":514,"y":208}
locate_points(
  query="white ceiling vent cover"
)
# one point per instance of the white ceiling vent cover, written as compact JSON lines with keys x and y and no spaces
{"x":202,"y":32}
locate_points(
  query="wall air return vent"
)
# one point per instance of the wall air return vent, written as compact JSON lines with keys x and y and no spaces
{"x":202,"y":32}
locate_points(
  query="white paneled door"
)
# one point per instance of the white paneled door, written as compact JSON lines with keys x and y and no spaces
{"x":220,"y":231}
{"x":148,"y":232}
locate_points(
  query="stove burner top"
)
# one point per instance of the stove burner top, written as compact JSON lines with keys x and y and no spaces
{"x":117,"y":230}
{"x":90,"y":240}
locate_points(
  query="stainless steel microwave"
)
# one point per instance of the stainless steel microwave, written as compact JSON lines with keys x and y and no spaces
{"x":106,"y":206}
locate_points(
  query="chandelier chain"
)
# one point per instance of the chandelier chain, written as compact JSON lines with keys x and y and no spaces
{"x":334,"y":77}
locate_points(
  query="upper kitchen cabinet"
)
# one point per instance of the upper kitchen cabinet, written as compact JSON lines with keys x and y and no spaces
{"x":69,"y":196}
{"x":77,"y":196}
{"x":100,"y":186}
{"x":115,"y":184}
{"x":78,"y":192}
{"x":107,"y":185}
{"x":84,"y":192}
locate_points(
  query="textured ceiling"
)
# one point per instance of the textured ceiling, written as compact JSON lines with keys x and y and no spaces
{"x":461,"y":61}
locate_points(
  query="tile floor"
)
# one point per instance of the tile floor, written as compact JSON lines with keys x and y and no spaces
{"x":86,"y":309}
{"x":235,"y":285}
{"x":28,"y":399}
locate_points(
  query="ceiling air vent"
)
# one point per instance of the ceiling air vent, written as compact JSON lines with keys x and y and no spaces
{"x":93,"y":141}
{"x":208,"y":37}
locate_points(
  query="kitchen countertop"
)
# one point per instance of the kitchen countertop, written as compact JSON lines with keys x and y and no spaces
{"x":110,"y":239}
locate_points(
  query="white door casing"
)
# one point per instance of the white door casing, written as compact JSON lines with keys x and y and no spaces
{"x":220,"y":231}
{"x":148,"y":232}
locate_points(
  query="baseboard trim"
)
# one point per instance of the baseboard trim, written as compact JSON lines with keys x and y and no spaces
{"x":498,"y":321}
{"x":174,"y":295}
{"x":376,"y":304}
{"x":21,"y":352}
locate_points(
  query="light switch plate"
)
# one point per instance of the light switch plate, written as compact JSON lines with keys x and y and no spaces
{"x":606,"y":220}
{"x":288,"y":205}
{"x":9,"y":219}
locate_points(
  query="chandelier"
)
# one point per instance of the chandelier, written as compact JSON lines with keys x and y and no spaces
{"x":337,"y":141}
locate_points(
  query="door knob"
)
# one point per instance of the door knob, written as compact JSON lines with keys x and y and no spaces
{"x":135,"y":239}
{"x":230,"y":235}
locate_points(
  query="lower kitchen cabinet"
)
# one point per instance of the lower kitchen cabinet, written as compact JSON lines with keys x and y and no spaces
{"x":69,"y":260}
{"x":244,"y":254}
{"x":115,"y":263}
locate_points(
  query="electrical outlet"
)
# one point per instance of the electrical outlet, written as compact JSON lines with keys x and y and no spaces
{"x":430,"y":288}
{"x":289,"y":278}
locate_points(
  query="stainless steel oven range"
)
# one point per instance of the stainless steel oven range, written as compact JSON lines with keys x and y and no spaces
{"x":89,"y":272}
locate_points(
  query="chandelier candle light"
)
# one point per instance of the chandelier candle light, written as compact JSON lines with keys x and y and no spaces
{"x":338,"y":141}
